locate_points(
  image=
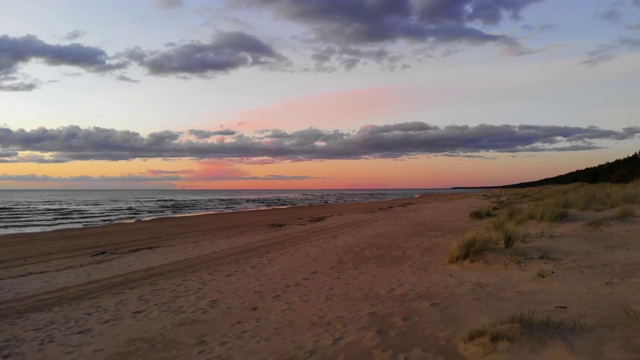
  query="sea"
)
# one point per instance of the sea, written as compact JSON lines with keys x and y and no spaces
{"x":44,"y":210}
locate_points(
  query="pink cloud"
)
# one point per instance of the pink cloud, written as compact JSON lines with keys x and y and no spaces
{"x":332,"y":110}
{"x":154,"y":172}
{"x":216,"y":170}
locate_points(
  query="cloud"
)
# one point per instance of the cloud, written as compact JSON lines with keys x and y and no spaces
{"x":11,"y":81}
{"x":362,"y":22}
{"x":607,"y":52}
{"x":16,"y":51}
{"x":127,"y":79}
{"x":86,"y":178}
{"x":207,"y":171}
{"x":356,"y":23}
{"x":155,"y":172}
{"x":629,"y":41}
{"x":372,"y":141}
{"x":144,"y":178}
{"x":74,"y":35}
{"x":168,"y":4}
{"x":539,"y":28}
{"x":204,"y":134}
{"x":227,"y":51}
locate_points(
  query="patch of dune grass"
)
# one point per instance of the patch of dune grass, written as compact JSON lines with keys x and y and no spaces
{"x":549,"y":212}
{"x":473,"y":243}
{"x":632,"y":314}
{"x":514,"y":214}
{"x":624,"y":212}
{"x":480,"y":214}
{"x":507,"y":233}
{"x":597,"y":223}
{"x":528,"y":325}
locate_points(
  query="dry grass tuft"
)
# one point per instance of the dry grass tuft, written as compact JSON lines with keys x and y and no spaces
{"x":542,"y":274}
{"x":480,"y":214}
{"x":632,"y":314}
{"x":624,"y":212}
{"x":598,"y":223}
{"x":549,"y":212}
{"x":522,"y":326}
{"x":510,"y":236}
{"x":473,"y":242}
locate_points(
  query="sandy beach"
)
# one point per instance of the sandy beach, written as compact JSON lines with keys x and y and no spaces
{"x":344,"y":281}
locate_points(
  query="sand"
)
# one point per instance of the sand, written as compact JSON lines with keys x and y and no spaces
{"x":346,"y":281}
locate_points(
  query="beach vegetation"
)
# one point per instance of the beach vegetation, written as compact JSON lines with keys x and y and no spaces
{"x":542,"y":274}
{"x":480,"y":214}
{"x":529,"y":325}
{"x":624,"y":212}
{"x":632,"y":314}
{"x":549,"y":212}
{"x":506,"y":232}
{"x":620,"y":171}
{"x":597,"y":223}
{"x":545,"y":255}
{"x":473,"y":243}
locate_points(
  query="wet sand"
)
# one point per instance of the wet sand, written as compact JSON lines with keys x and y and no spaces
{"x":343,"y":281}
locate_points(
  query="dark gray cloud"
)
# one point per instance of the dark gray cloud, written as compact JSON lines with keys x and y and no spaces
{"x":373,"y":141}
{"x":10,"y":80}
{"x":350,"y":24}
{"x":74,"y":35}
{"x":227,"y":51}
{"x":362,"y":22}
{"x":168,"y":4}
{"x":15,"y":51}
{"x":330,"y":58}
{"x":127,"y":79}
{"x":8,"y":153}
{"x":205,"y":134}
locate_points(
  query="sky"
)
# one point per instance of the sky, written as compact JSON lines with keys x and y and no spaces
{"x":316,"y":94}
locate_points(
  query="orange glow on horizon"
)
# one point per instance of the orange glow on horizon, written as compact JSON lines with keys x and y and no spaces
{"x":418,"y":172}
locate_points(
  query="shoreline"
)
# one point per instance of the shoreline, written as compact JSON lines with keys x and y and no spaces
{"x":199,"y":213}
{"x":141,"y":217}
{"x":353,"y":281}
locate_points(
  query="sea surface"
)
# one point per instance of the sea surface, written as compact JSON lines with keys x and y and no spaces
{"x":44,"y":210}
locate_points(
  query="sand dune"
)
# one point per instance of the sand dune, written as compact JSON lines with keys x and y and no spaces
{"x":345,"y":281}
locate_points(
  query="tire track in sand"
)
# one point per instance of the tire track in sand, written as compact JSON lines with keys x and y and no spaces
{"x":40,"y":302}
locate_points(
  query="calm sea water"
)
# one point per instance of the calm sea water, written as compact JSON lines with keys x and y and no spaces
{"x":43,"y":210}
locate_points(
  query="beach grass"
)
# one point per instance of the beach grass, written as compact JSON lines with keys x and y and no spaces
{"x":624,"y":212}
{"x":480,"y":214}
{"x":632,"y":314}
{"x":547,"y":204}
{"x":527,"y":325}
{"x":473,"y":243}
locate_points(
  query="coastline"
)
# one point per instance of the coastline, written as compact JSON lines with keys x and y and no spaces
{"x":68,"y":209}
{"x":352,"y":281}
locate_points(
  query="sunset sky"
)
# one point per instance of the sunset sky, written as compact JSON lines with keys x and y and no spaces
{"x":236,"y":94}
